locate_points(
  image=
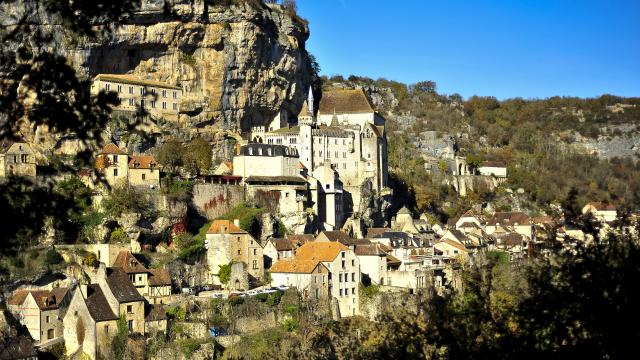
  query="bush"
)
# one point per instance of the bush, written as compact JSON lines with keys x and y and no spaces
{"x":177,"y":190}
{"x":189,"y":346}
{"x":90,"y":260}
{"x":290,"y":325}
{"x":225,"y":273}
{"x":125,"y":198}
{"x":177,"y":313}
{"x":33,"y":254}
{"x":274,"y":298}
{"x":52,"y":257}
{"x":369,"y":291}
{"x":236,"y":301}
{"x":119,"y":235}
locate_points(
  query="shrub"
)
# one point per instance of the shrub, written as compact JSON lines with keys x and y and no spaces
{"x":119,"y":342}
{"x":52,"y":257}
{"x":274,"y":298}
{"x":119,"y":235}
{"x":90,"y":260}
{"x":33,"y":254}
{"x":177,"y":313}
{"x":189,"y":346}
{"x":225,"y":273}
{"x":290,"y":324}
{"x":177,"y":190}
{"x":236,"y":301}
{"x":126,"y":198}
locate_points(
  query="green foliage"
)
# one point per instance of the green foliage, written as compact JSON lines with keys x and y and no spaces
{"x":248,"y":216}
{"x":188,"y":59}
{"x":290,"y":324}
{"x":119,"y":342}
{"x":177,"y":313}
{"x":125,"y":198}
{"x":81,"y":195}
{"x":197,"y":156}
{"x":368,"y":292}
{"x":233,"y":301}
{"x":52,"y":257}
{"x":189,"y":346}
{"x":170,"y":155}
{"x":90,"y":260}
{"x":58,"y":350}
{"x":177,"y":190}
{"x":34,"y":254}
{"x":498,"y":257}
{"x":119,"y":235}
{"x":88,"y":223}
{"x":273,"y":299}
{"x":225,"y":273}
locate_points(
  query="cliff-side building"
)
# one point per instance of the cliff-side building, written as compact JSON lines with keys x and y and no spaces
{"x":17,"y":158}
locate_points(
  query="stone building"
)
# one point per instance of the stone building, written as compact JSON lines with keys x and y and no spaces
{"x":153,"y":284}
{"x":327,"y":197}
{"x":159,"y":99}
{"x":89,"y":323}
{"x":17,"y":158}
{"x":344,"y":269}
{"x":310,"y":277}
{"x":118,"y":167}
{"x":346,"y":134}
{"x":123,"y":298}
{"x":601,"y":211}
{"x":227,"y":243}
{"x":40,"y":311}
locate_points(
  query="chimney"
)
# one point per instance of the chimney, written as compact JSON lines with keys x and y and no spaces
{"x":236,"y":222}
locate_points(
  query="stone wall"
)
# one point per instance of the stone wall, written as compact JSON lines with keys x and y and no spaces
{"x":214,"y":200}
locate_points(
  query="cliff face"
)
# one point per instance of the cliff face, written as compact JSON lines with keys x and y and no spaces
{"x":238,"y":64}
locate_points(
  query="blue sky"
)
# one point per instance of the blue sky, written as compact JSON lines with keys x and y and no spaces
{"x":525,"y":48}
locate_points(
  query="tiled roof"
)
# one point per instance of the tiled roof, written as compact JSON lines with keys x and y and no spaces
{"x":602,"y":206}
{"x":286,"y":130}
{"x":469,"y":224}
{"x":133,"y":80}
{"x":510,"y":239}
{"x":392,"y":260}
{"x":97,"y":303}
{"x":18,"y":297}
{"x":121,"y":286}
{"x":159,"y":277}
{"x":403,"y":210}
{"x":335,"y":235}
{"x":300,"y":239}
{"x":542,"y":220}
{"x":224,"y":227}
{"x":111,"y":148}
{"x":275,"y":179}
{"x":345,"y":102}
{"x":454,"y":244}
{"x":45,"y":299}
{"x":295,"y":266}
{"x":510,"y":219}
{"x":320,"y":251}
{"x":155,"y":313}
{"x":498,"y":164}
{"x":376,"y":232}
{"x":129,"y":263}
{"x":369,"y":250}
{"x":142,"y":162}
{"x":282,"y":244}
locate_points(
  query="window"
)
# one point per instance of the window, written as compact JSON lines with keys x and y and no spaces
{"x":342,"y":254}
{"x":335,"y":141}
{"x":255,"y":251}
{"x":142,"y":103}
{"x":255,"y":264}
{"x":344,"y":154}
{"x":164,"y":93}
{"x":344,"y":165}
{"x":23,"y":158}
{"x":144,"y":176}
{"x":353,"y":277}
{"x":131,"y":102}
{"x":336,"y":154}
{"x":130,"y":325}
{"x":175,"y":94}
{"x":129,"y":309}
{"x":340,"y":277}
{"x":142,"y":91}
{"x":238,"y":251}
{"x":353,"y":291}
{"x":343,"y":263}
{"x":317,"y":293}
{"x":164,"y":104}
{"x":175,"y":106}
{"x":50,"y":334}
{"x":320,"y":153}
{"x":327,"y":186}
{"x":130,"y":89}
{"x":119,"y":88}
{"x":153,"y":104}
{"x":115,"y":172}
{"x":107,"y":87}
{"x":353,"y":263}
{"x":106,"y":328}
{"x":47,"y":319}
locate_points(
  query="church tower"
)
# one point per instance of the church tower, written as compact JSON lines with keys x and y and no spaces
{"x":306,"y":116}
{"x":306,"y":122}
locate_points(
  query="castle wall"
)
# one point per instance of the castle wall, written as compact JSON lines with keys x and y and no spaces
{"x":214,"y":200}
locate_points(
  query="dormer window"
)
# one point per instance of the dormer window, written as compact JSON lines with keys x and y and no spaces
{"x":250,"y":151}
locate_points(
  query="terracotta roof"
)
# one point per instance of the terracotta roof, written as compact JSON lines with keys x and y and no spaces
{"x":282,"y":244}
{"x":369,"y":250}
{"x":155,"y":313}
{"x":300,"y":239}
{"x":602,"y":206}
{"x":129,"y":263}
{"x":111,"y":148}
{"x":509,"y":219}
{"x":159,"y":277}
{"x":133,"y":80}
{"x":335,"y":235}
{"x":376,"y":232}
{"x":320,"y":251}
{"x":345,"y":102}
{"x":224,"y":227}
{"x":121,"y":286}
{"x":542,"y":220}
{"x":18,"y":297}
{"x":97,"y":303}
{"x":301,"y":166}
{"x":295,"y":266}
{"x":454,"y":244}
{"x":142,"y":162}
{"x":392,"y":260}
{"x":510,"y":239}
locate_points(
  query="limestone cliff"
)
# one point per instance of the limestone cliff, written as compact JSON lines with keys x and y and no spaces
{"x":238,"y":64}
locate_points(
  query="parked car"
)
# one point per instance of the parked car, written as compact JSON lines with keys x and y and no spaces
{"x":268,"y":291}
{"x":207,"y":287}
{"x":282,"y":287}
{"x":188,"y":290}
{"x":218,"y":295}
{"x":252,"y":292}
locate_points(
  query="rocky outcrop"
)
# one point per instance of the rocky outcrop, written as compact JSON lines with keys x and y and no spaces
{"x":238,"y":64}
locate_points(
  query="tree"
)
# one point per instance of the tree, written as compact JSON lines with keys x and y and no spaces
{"x":197,"y":156}
{"x":170,"y":155}
{"x":41,"y":89}
{"x":224,"y":274}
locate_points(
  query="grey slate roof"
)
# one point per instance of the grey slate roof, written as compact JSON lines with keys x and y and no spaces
{"x":97,"y":303}
{"x":121,"y":286}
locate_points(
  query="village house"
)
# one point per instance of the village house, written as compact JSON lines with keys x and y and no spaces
{"x":327,"y":197}
{"x":89,"y":323}
{"x":451,"y":249}
{"x":160,"y":100}
{"x":123,"y":298}
{"x":512,"y":222}
{"x":344,"y":269}
{"x":277,"y":249}
{"x":155,"y":320}
{"x":40,"y":311}
{"x":496,"y":169}
{"x":118,"y":167}
{"x":17,"y":158}
{"x":226,"y":243}
{"x":601,"y":211}
{"x":310,"y":277}
{"x":153,"y":284}
{"x":373,"y":263}
{"x":513,"y":244}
